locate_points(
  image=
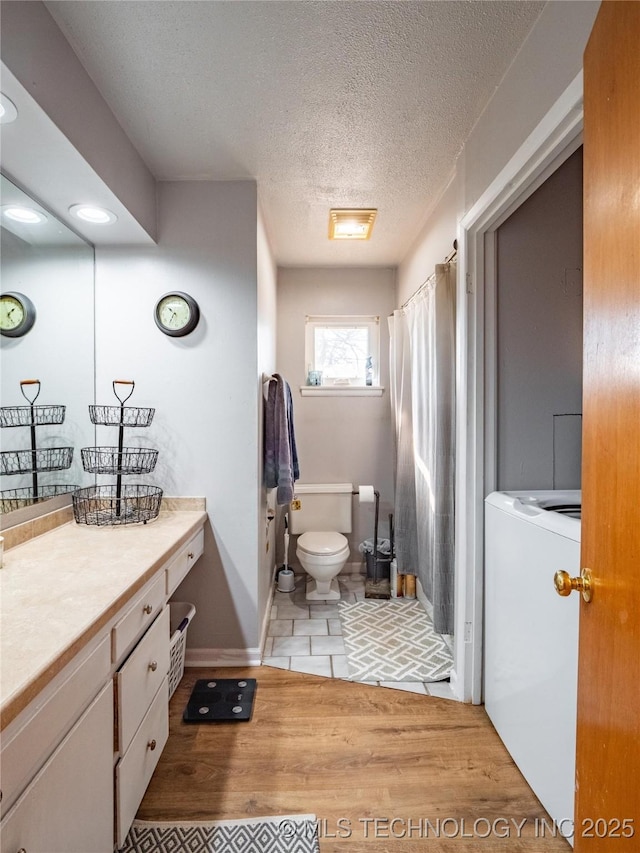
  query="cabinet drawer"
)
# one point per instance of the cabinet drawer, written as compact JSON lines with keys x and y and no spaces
{"x":137,"y":619}
{"x":180,"y":566}
{"x":138,"y":680}
{"x":68,"y":807}
{"x":49,"y":719}
{"x":134,"y":770}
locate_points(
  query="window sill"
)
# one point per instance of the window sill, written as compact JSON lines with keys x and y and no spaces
{"x":341,"y":390}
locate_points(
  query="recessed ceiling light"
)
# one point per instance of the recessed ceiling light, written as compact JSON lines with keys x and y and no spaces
{"x":8,"y":111}
{"x":351,"y":223}
{"x":23,"y":215}
{"x":91,"y":213}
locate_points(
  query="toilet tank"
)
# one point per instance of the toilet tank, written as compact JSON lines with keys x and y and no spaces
{"x":324,"y":506}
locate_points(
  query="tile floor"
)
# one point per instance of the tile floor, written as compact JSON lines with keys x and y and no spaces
{"x":307,"y":637}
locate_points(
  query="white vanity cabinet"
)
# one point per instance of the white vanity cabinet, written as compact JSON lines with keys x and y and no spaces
{"x":180,"y":566}
{"x":142,"y":716}
{"x":68,"y":806}
{"x":80,"y":744}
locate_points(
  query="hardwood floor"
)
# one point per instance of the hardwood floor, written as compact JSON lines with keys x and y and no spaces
{"x":378,"y":767}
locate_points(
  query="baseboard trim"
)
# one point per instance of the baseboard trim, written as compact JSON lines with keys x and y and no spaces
{"x":267,"y":615}
{"x":422,"y":598}
{"x":223,"y":657}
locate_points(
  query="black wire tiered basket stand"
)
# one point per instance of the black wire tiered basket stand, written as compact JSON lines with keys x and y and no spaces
{"x":37,"y":460}
{"x":118,"y":503}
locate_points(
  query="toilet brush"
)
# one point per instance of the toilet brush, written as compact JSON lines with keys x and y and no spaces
{"x":286,"y":580}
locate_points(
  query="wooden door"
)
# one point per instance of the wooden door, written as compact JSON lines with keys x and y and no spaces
{"x":608,"y":749}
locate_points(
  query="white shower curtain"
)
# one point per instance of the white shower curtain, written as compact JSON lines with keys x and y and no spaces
{"x":423,"y":402}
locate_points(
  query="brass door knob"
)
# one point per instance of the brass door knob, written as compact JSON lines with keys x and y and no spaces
{"x":565,"y":584}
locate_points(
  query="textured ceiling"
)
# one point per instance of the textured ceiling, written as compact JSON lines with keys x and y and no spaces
{"x":325,"y":104}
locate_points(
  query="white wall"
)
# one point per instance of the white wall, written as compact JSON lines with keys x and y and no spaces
{"x":549,"y":60}
{"x":267,"y":297}
{"x":339,"y":439}
{"x":546,"y":67}
{"x":58,"y":350}
{"x":204,"y":385}
{"x":432,"y":245}
{"x":41,"y":58}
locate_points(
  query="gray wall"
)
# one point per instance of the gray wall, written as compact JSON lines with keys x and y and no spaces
{"x":539,"y":336}
{"x":339,"y":439}
{"x":204,"y":386}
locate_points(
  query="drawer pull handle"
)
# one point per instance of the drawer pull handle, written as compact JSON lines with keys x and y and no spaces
{"x":190,"y":555}
{"x":148,"y":608}
{"x":153,"y":665}
{"x":152,"y":744}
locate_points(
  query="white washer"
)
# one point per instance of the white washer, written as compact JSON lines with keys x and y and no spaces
{"x":531,"y":638}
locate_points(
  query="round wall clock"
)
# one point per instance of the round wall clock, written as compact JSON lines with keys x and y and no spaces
{"x":17,"y":314}
{"x":177,"y":314}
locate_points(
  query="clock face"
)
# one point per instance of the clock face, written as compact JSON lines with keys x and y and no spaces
{"x":17,"y":314}
{"x":177,"y":314}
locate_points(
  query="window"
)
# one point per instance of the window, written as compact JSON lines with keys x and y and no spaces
{"x":343,"y":349}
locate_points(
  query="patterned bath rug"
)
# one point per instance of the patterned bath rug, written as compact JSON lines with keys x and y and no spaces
{"x":392,"y":641}
{"x":283,"y":834}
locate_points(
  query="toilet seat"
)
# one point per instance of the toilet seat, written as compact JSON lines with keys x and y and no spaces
{"x":322,"y":544}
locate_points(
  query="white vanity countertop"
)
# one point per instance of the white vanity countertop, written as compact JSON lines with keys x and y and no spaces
{"x":59,"y":589}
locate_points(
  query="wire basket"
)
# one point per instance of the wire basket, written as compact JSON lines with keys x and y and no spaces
{"x":129,"y":416}
{"x":11,"y":499}
{"x":110,"y":460}
{"x":180,"y":615}
{"x":129,"y":504}
{"x":20,"y":416}
{"x":42,"y":459}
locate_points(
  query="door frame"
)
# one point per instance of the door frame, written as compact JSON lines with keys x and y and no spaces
{"x":555,"y":138}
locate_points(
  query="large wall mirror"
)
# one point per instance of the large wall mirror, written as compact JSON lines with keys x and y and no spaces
{"x":44,"y":261}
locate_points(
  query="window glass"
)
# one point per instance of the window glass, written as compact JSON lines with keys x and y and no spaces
{"x":342,"y":350}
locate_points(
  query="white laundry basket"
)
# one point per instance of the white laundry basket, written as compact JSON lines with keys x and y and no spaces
{"x":180,"y":615}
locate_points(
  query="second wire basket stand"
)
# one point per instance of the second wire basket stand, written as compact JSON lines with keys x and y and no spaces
{"x":36,"y":460}
{"x":118,"y":503}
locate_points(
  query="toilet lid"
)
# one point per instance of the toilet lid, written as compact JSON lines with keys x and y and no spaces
{"x":322,"y":543}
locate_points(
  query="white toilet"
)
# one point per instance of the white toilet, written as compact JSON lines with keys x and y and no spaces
{"x":325,"y":514}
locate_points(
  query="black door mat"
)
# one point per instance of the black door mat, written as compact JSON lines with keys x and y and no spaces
{"x":220,"y":700}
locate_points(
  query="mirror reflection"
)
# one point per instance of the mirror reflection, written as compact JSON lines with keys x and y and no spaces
{"x":47,"y":352}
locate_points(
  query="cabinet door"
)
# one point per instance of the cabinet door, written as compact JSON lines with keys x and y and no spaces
{"x":68,"y":807}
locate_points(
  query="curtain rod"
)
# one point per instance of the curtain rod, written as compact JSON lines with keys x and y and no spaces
{"x":450,"y":257}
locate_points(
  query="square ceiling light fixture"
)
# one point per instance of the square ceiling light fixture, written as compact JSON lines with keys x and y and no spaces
{"x":351,"y":224}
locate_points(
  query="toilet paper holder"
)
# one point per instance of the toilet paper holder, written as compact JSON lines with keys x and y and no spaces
{"x":366,"y":495}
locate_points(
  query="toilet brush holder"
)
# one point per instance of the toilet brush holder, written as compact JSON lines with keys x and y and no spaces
{"x":286,"y":580}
